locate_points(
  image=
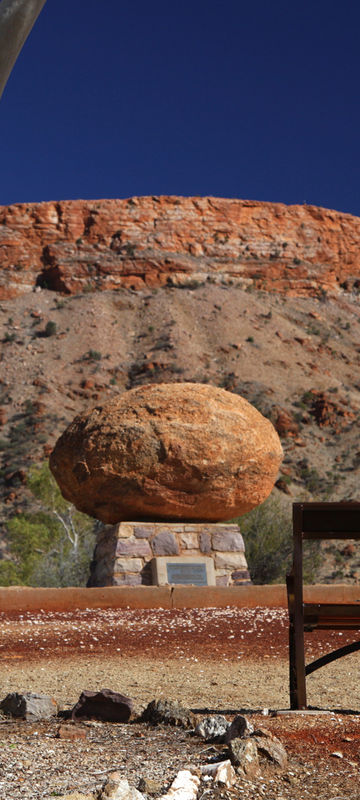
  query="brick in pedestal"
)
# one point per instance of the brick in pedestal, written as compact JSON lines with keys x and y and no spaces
{"x":241,"y":576}
{"x":189,"y":541}
{"x":144,"y":531}
{"x":164,"y":544}
{"x":222,"y":580}
{"x":228,"y":541}
{"x":124,"y":530}
{"x":126,"y":579}
{"x":230,"y":561}
{"x":133,"y":547}
{"x":128,"y":565}
{"x":205,"y":542}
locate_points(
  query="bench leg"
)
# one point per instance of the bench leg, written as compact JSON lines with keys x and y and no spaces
{"x":297,"y":667}
{"x":296,"y":611}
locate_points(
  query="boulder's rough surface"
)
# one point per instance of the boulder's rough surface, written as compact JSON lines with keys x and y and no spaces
{"x":168,"y":451}
{"x":144,"y":242}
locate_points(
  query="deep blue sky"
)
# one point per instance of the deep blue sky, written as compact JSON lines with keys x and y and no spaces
{"x":113,"y":98}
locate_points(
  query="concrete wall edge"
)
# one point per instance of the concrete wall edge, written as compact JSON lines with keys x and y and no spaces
{"x":24,"y":598}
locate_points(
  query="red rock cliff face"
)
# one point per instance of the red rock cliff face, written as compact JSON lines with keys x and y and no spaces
{"x":73,"y":246}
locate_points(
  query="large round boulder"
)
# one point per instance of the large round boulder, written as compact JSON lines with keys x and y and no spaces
{"x":168,"y":452}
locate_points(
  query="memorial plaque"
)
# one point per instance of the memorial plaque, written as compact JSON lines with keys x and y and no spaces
{"x":182,"y":570}
{"x":187,"y":572}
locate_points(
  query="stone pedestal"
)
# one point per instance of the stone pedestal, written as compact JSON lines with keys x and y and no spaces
{"x":123,"y":552}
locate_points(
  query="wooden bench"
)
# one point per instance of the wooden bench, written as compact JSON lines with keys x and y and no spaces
{"x":317,"y":521}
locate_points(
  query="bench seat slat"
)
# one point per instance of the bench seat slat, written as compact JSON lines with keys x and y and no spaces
{"x":331,"y":624}
{"x":331,"y":535}
{"x":334,"y":616}
{"x":332,"y":609}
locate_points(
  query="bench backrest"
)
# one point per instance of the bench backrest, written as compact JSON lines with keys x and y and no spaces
{"x":326,"y":520}
{"x":317,"y":521}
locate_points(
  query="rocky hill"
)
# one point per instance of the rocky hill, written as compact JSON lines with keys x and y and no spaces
{"x":259,"y":298}
{"x":148,"y":242}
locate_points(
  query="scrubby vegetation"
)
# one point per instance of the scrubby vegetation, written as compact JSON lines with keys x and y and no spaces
{"x":267,"y":532}
{"x":53,"y":544}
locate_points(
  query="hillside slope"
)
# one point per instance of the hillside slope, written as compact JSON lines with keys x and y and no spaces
{"x":294,"y":352}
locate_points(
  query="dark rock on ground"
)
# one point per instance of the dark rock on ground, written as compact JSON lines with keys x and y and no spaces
{"x":150,"y":786}
{"x":30,"y":706}
{"x":240,"y":728}
{"x":104,"y":705}
{"x":169,"y":713}
{"x":272,"y":749}
{"x":244,"y":756}
{"x":246,"y":745}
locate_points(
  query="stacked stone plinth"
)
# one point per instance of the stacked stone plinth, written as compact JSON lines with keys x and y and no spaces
{"x":124,"y":551}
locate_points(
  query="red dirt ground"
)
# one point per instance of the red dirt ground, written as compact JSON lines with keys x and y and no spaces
{"x":227,"y":632}
{"x":228,"y":659}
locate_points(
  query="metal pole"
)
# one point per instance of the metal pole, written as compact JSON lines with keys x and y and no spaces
{"x":17,"y":17}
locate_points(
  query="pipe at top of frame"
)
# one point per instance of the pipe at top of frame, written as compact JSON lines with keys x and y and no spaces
{"x":17,"y":17}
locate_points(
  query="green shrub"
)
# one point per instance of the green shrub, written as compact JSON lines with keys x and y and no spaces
{"x":30,"y":538}
{"x":9,"y":575}
{"x":9,"y":337}
{"x":51,"y":546}
{"x":267,"y":532}
{"x":50,"y":328}
{"x":94,"y":355}
{"x":311,"y":478}
{"x":191,"y":284}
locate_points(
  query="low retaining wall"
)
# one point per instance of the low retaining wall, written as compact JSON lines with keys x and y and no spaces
{"x":19,"y":598}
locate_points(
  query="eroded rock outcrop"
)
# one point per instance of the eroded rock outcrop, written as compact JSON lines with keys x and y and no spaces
{"x":329,"y":412}
{"x":76,"y":245}
{"x":168,"y":451}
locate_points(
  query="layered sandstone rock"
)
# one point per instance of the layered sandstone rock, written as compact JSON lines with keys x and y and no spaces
{"x":170,"y":452}
{"x":78,"y":245}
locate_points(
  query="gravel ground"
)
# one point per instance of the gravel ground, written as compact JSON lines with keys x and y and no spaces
{"x":222,"y":660}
